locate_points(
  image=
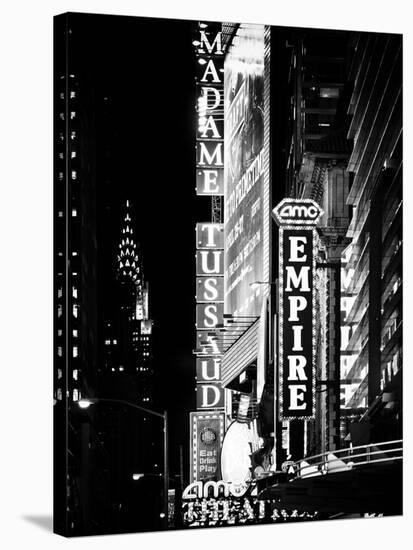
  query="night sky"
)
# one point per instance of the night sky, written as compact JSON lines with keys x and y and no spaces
{"x":137,"y":76}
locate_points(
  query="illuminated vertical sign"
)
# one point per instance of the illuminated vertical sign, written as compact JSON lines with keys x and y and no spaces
{"x":296,"y":336}
{"x":209,"y":314}
{"x":207,"y":434}
{"x":210,"y":111}
{"x":246,"y":188}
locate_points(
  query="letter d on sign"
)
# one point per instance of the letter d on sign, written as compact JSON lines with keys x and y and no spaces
{"x":209,"y":396}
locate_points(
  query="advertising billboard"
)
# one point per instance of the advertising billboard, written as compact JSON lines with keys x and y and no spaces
{"x":207,"y":433}
{"x":245,"y":208}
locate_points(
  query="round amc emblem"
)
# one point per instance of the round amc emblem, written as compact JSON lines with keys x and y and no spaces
{"x":297,"y":212}
{"x":208,"y":436}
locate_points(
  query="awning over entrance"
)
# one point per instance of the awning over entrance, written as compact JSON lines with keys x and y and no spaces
{"x":241,"y":354}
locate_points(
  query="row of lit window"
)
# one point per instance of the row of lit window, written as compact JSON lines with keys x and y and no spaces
{"x":60,"y":254}
{"x":72,"y":115}
{"x":60,"y":292}
{"x":108,"y":342}
{"x":76,"y":394}
{"x":74,"y":332}
{"x":72,"y":94}
{"x":75,"y":374}
{"x":75,"y":351}
{"x":73,"y":155}
{"x":73,"y":135}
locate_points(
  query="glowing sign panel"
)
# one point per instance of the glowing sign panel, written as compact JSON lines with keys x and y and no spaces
{"x":208,"y":369}
{"x":210,"y":108}
{"x":209,"y":396}
{"x":207,"y":432}
{"x":245,"y":185}
{"x":296,"y":354}
{"x":297,"y":212}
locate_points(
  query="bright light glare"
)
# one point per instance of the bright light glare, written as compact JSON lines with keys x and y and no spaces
{"x":84,"y":403}
{"x":136,"y":477}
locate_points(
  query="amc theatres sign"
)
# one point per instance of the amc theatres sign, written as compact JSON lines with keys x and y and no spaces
{"x":297,"y":212}
{"x":296,"y":353}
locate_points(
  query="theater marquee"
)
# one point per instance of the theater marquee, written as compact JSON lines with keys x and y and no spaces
{"x":296,"y":336}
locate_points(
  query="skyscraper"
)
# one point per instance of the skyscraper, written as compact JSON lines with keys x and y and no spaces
{"x":127,"y":336}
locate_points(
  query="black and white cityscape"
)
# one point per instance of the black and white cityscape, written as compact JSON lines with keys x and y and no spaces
{"x":228,"y":274}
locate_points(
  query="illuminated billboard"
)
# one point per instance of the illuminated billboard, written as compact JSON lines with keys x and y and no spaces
{"x":245,"y":228}
{"x":207,"y":433}
{"x":296,"y":334}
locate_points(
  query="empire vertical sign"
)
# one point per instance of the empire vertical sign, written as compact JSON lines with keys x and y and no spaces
{"x":296,"y":335}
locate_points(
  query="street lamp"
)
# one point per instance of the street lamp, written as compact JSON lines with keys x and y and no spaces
{"x":87,"y":402}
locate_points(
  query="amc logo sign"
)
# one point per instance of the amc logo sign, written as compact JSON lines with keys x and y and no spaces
{"x":298,"y":212}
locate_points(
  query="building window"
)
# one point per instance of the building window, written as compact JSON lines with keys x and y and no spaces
{"x":74,"y":175}
{"x":59,"y":394}
{"x":75,"y":333}
{"x":75,"y":374}
{"x":59,"y":351}
{"x":74,"y":292}
{"x":75,"y":310}
{"x":74,"y":212}
{"x":75,"y":351}
{"x":75,"y":395}
{"x":59,"y":310}
{"x":59,"y":374}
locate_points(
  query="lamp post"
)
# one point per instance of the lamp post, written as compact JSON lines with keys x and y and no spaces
{"x":85,"y":403}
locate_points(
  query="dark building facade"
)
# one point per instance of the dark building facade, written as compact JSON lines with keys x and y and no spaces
{"x":102,"y":330}
{"x":346,"y":154}
{"x":332,"y":127}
